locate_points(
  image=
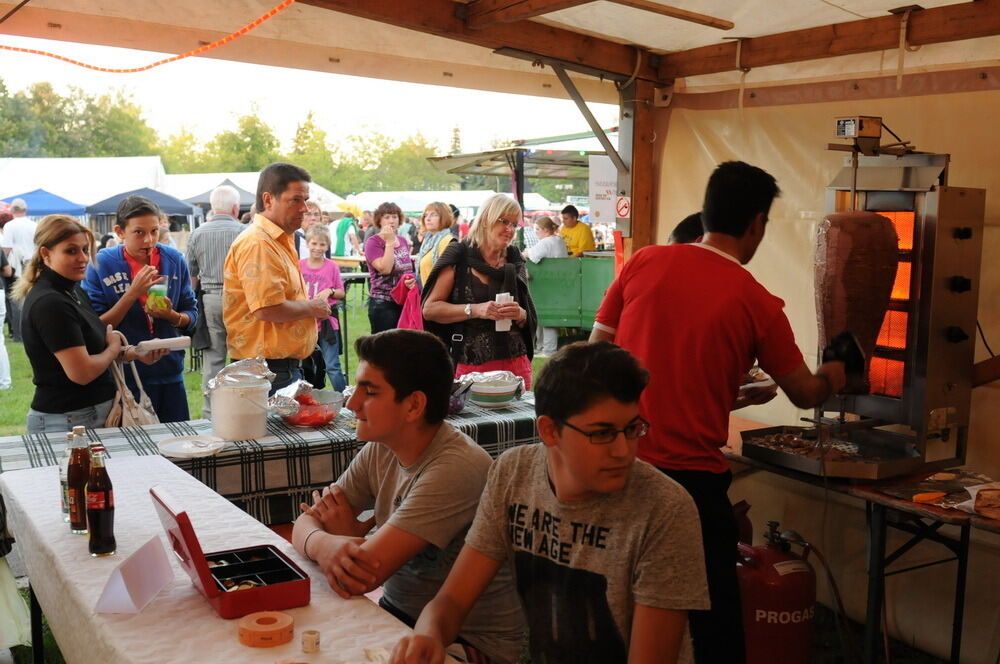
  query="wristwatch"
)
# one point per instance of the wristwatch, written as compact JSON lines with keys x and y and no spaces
{"x":468,"y":311}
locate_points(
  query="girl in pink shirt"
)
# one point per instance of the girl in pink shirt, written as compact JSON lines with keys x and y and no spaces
{"x":322,"y":277}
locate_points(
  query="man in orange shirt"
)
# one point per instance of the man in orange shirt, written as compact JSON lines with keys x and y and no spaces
{"x":265,"y":308}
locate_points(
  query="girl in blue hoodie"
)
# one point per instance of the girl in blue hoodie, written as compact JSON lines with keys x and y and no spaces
{"x":117,"y":284}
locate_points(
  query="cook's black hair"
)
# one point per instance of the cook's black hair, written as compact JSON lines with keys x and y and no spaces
{"x":735,"y":194}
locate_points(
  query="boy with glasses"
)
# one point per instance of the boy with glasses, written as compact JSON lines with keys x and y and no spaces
{"x":605,"y":550}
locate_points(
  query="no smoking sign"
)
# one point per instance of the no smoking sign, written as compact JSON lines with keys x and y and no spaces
{"x":623,"y":207}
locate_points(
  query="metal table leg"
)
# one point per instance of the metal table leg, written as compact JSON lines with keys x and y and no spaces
{"x":344,"y":343}
{"x":963,"y":568}
{"x":37,"y":641}
{"x":875,"y":517}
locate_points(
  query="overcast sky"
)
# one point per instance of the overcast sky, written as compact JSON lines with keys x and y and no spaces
{"x":205,"y":96}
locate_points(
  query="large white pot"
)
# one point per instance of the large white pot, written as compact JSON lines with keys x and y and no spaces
{"x":239,"y":412}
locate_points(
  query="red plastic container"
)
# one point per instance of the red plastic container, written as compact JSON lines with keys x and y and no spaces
{"x":281,"y":583}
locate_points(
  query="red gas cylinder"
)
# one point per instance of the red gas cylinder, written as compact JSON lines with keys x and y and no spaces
{"x":778,"y":592}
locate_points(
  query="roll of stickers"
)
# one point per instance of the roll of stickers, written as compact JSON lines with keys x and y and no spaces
{"x":265,"y":629}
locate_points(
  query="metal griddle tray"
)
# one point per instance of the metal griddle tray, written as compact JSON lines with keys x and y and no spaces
{"x":880,"y":453}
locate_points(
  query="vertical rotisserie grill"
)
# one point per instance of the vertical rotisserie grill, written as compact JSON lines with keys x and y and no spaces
{"x":914,"y":411}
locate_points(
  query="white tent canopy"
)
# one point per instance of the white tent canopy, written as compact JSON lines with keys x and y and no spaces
{"x":398,"y":41}
{"x":415,"y":201}
{"x":84,"y":180}
{"x":186,"y":185}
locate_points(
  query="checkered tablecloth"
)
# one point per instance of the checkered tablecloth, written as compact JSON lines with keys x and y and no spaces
{"x":269,"y":477}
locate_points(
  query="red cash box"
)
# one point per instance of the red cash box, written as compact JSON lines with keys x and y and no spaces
{"x":235,"y":581}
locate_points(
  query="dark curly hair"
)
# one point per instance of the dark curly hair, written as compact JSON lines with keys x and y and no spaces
{"x":383,"y":210}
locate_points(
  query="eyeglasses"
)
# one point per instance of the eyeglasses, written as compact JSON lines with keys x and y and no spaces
{"x":607,"y":436}
{"x":506,"y":222}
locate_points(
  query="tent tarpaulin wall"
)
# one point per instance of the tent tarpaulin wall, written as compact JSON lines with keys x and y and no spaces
{"x":789,"y":141}
{"x":41,"y":203}
{"x":204,"y":198}
{"x":167,"y":204}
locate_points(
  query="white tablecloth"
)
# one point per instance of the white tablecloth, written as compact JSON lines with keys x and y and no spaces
{"x":178,"y":625}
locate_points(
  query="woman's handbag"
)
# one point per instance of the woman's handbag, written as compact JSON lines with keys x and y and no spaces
{"x":125,"y":410}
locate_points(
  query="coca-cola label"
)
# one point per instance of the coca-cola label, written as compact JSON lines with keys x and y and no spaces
{"x":74,"y":505}
{"x":100,"y":500}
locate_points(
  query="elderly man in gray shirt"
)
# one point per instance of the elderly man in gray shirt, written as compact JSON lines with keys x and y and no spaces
{"x":206,"y":252}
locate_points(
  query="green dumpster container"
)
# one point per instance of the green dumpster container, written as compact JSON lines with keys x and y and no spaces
{"x":568,"y":291}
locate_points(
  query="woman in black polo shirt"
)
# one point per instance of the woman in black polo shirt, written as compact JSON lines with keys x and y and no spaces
{"x":69,"y":348}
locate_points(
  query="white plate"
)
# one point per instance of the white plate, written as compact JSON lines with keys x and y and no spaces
{"x":492,"y":406}
{"x":190,"y":447}
{"x":760,"y":384}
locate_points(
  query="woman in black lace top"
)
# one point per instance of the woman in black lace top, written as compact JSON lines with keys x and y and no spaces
{"x":460,"y":296}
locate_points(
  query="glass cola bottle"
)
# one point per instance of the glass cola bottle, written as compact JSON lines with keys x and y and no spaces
{"x":64,"y":477}
{"x":100,"y":506}
{"x":77,"y":474}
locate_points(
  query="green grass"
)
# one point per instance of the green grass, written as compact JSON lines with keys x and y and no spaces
{"x":14,"y":403}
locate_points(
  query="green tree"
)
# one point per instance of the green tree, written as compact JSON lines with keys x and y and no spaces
{"x":311,"y":151}
{"x":182,"y":154}
{"x":406,"y":168}
{"x":556,"y":191}
{"x":59,"y":121}
{"x":20,"y":135}
{"x":357,"y":161}
{"x":40,"y":122}
{"x":252,"y":147}
{"x":116,"y":128}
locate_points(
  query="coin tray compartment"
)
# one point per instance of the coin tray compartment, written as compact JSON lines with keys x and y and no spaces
{"x":285,"y":585}
{"x":268,"y":571}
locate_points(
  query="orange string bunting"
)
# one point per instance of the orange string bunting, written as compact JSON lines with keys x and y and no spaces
{"x":198,"y":51}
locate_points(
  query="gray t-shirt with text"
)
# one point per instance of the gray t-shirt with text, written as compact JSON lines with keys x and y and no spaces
{"x":580,"y":567}
{"x":435,"y":499}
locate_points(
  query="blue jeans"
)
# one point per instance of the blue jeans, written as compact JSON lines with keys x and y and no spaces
{"x":383,"y":314}
{"x":169,"y":400}
{"x":92,"y":417}
{"x":284,"y":378}
{"x":331,"y":356}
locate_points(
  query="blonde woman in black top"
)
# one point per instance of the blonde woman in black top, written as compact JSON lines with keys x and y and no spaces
{"x":68,"y":346}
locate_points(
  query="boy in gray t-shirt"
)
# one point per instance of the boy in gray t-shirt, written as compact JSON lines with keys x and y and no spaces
{"x":605,"y":550}
{"x":423,"y":479}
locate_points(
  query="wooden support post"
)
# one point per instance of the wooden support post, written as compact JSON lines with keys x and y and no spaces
{"x":642,"y":171}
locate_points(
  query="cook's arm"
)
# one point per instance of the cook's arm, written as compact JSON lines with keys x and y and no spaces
{"x":806,"y":389}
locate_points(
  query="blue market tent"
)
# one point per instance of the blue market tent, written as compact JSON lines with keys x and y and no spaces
{"x":41,"y":203}
{"x":168,"y":204}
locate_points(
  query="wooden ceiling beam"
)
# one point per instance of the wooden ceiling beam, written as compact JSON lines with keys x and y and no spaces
{"x":438,"y":17}
{"x":927,"y":26}
{"x":484,"y":13}
{"x":675,"y":12}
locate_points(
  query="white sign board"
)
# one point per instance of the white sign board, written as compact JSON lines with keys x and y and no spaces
{"x":603,"y":187}
{"x":623,"y":207}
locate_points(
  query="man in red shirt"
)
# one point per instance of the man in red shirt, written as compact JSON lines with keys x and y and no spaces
{"x":697,"y":319}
